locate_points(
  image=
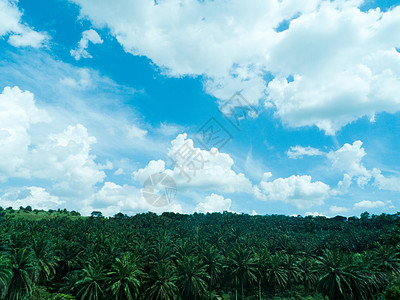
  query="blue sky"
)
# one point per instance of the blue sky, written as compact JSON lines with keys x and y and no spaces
{"x":98,"y":96}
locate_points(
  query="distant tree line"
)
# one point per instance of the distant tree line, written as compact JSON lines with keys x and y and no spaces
{"x":199,"y":256}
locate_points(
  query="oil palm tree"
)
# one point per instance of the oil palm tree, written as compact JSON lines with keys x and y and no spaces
{"x":292,"y":270}
{"x":68,"y":255}
{"x":213,"y":261}
{"x":45,"y":258}
{"x":242,"y":266}
{"x":90,"y":286}
{"x":340,"y":278}
{"x":5,"y":275}
{"x":275,"y":271}
{"x":192,"y":277}
{"x":125,"y":278}
{"x":24,"y":269}
{"x":309,"y":272}
{"x":162,"y":282}
{"x":387,"y":259}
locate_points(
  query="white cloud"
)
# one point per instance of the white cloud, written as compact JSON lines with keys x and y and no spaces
{"x":18,"y":112}
{"x":119,"y":171}
{"x":113,"y":198}
{"x":385,"y":183}
{"x":343,"y":185}
{"x":65,"y":160}
{"x":344,"y":65}
{"x":299,"y":152}
{"x":197,"y":172}
{"x":205,"y":170}
{"x":19,"y":34}
{"x":87,"y":36}
{"x":296,"y":190}
{"x":36,"y":197}
{"x":151,"y":168}
{"x":341,"y":67}
{"x":83,"y":81}
{"x":314,"y":214}
{"x":135,"y":132}
{"x":366,"y":204}
{"x":214,"y":203}
{"x":348,"y":160}
{"x":338,"y":209}
{"x":169,"y":129}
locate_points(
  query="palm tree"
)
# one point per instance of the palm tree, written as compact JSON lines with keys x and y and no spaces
{"x":275,"y":271}
{"x":45,"y":257}
{"x":125,"y":278}
{"x":340,"y":278}
{"x":309,"y":272}
{"x":24,"y":269}
{"x":163,"y":282}
{"x":5,"y":275}
{"x":292,"y":270}
{"x":192,"y":277}
{"x":68,"y":255}
{"x":387,"y":259}
{"x":213,"y":261}
{"x":243,"y":266}
{"x":91,"y":282}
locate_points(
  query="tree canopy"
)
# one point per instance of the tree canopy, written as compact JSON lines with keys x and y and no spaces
{"x":199,"y":256}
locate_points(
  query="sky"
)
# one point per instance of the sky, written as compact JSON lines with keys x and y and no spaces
{"x":259,"y":107}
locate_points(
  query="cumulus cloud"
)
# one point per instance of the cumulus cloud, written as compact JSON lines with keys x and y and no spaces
{"x":62,"y":161}
{"x":18,"y":112}
{"x":19,"y":34}
{"x":296,"y":190}
{"x":343,"y":185}
{"x":348,"y":160}
{"x":193,"y":168}
{"x":299,"y":152}
{"x":367,"y":204}
{"x":36,"y":197}
{"x":65,"y":159}
{"x":214,"y":203}
{"x":113,"y":198}
{"x":151,"y":168}
{"x":87,"y":36}
{"x":385,"y":183}
{"x":344,"y":65}
{"x":205,"y":170}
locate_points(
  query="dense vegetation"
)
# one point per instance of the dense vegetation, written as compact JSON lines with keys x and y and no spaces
{"x":212,"y":256}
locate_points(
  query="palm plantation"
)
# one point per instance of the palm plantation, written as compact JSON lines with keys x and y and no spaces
{"x":212,"y":256}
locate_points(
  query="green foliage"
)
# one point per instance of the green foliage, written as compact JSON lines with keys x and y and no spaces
{"x":192,"y":277}
{"x":96,"y":214}
{"x":5,"y":275}
{"x":393,"y":293}
{"x":125,"y":278}
{"x":61,"y":255}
